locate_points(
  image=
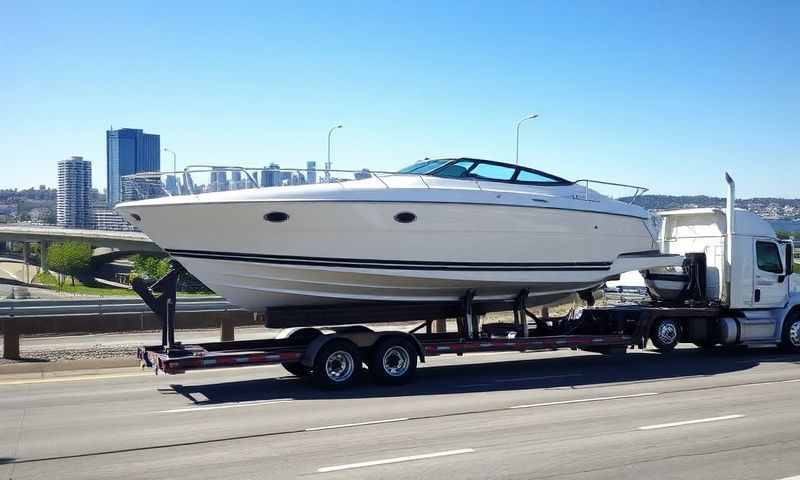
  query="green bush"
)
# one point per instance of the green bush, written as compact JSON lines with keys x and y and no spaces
{"x":149,"y":267}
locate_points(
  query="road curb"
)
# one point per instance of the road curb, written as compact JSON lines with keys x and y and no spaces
{"x":42,"y":368}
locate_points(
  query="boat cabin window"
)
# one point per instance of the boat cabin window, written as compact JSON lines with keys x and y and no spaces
{"x":490,"y":171}
{"x":456,"y":170}
{"x":531,"y":176}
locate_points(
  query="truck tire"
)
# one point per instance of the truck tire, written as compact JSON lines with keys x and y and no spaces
{"x":393,"y":361}
{"x":666,"y":334}
{"x":790,"y":338}
{"x":337,"y":364}
{"x":302,"y":335}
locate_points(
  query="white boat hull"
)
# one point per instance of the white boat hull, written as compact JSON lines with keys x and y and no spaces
{"x":331,"y":252}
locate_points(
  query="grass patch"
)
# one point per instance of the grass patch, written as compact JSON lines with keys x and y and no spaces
{"x":80,"y":289}
{"x":50,"y":280}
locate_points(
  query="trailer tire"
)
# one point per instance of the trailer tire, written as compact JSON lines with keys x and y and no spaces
{"x":790,"y":337}
{"x":393,"y":361}
{"x":301,"y":335}
{"x":666,"y":334}
{"x":337,"y":364}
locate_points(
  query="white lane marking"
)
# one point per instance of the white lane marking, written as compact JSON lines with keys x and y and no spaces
{"x":690,"y":422}
{"x":796,"y":477}
{"x":349,"y":466}
{"x":358,"y":424}
{"x":547,"y":377}
{"x":73,"y":379}
{"x":584,"y":400}
{"x":227,"y":405}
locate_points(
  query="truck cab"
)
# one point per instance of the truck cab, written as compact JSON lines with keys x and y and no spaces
{"x":747,"y":270}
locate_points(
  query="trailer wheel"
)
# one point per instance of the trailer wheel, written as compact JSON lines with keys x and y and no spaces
{"x":337,"y":364}
{"x":302,"y":335}
{"x":666,"y":334}
{"x":790,"y":338}
{"x":393,"y":361}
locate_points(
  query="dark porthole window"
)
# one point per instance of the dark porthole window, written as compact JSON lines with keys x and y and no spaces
{"x":405,"y":217}
{"x":136,"y":217}
{"x":276,"y":217}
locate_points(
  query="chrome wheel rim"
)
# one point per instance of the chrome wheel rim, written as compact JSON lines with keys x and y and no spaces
{"x":794,"y":333}
{"x":339,"y":366}
{"x":396,"y":361}
{"x":667,"y":333}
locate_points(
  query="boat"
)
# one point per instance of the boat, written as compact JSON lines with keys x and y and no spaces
{"x":427,"y":233}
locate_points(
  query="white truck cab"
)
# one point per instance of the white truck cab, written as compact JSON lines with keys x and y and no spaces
{"x":748,"y":270}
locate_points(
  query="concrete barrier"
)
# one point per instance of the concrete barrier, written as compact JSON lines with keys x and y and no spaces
{"x":13,"y":327}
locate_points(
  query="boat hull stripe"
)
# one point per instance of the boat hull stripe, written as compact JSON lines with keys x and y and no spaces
{"x":389,"y":264}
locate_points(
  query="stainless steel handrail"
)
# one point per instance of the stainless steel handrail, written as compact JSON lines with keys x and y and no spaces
{"x":638,"y":190}
{"x":377,"y":174}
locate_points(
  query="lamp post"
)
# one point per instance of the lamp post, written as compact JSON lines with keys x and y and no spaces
{"x":174,"y":159}
{"x":174,"y":167}
{"x":328,"y":163}
{"x":516,"y":150}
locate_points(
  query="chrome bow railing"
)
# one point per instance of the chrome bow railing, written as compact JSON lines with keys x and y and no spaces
{"x":191,"y":181}
{"x":636,"y":193}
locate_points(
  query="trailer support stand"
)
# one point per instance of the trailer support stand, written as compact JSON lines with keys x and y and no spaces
{"x":468,"y":319}
{"x":164,"y":304}
{"x":520,"y":315}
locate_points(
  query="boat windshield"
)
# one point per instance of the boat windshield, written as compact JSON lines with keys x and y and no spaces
{"x":470,"y":168}
{"x":425,"y":166}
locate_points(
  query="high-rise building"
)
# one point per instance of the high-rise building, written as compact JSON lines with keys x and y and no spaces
{"x":219,"y":179}
{"x":129,"y":151}
{"x":311,"y":172}
{"x":271,"y":176}
{"x":74,"y":197}
{"x":236,"y":180}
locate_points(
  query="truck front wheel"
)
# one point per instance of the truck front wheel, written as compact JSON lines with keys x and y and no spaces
{"x":790,"y":339}
{"x":666,"y":334}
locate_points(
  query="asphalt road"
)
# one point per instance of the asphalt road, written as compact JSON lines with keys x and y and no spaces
{"x":691,"y":414}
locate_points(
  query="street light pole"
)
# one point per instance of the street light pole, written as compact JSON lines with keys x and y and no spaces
{"x":328,"y":163}
{"x":174,"y":160}
{"x":516,"y":150}
{"x":174,"y":167}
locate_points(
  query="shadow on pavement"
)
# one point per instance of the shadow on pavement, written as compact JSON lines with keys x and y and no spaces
{"x":524,"y":374}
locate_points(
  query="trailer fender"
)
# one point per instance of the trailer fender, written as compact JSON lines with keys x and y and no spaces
{"x":313,"y":348}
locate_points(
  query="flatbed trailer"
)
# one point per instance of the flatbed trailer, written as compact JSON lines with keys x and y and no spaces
{"x":333,"y":355}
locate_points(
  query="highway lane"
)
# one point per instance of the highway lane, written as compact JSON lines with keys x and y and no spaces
{"x":513,"y":415}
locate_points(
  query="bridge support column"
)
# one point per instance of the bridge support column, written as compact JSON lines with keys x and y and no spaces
{"x":226,"y":331}
{"x":43,"y":246}
{"x":26,"y":251}
{"x":10,"y":339}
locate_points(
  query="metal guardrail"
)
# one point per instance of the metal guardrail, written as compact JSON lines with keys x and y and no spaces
{"x":105,"y":306}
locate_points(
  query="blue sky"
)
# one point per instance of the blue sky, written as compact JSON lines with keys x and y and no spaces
{"x":664,"y":94}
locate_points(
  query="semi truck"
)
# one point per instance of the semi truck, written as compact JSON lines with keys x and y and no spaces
{"x":732,"y":284}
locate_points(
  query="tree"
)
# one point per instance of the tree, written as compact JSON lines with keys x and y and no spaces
{"x":69,"y":258}
{"x":149,"y":267}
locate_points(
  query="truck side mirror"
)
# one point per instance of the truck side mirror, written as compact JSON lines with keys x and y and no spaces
{"x":789,"y":259}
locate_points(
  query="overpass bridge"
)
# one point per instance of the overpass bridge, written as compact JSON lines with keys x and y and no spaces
{"x":127,"y":242}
